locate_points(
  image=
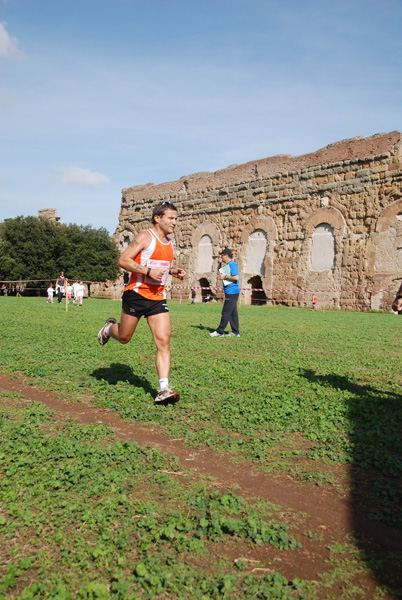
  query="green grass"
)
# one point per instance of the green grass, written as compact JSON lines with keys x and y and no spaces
{"x":333,"y":378}
{"x":301,"y":393}
{"x":84,"y":516}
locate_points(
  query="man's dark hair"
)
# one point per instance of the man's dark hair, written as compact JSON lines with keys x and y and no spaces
{"x":161,"y":208}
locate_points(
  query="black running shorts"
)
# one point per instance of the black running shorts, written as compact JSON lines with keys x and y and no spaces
{"x":136,"y":305}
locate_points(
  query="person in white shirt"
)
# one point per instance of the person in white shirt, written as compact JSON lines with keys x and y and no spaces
{"x":79,"y":293}
{"x":50,"y":292}
{"x":75,"y":287}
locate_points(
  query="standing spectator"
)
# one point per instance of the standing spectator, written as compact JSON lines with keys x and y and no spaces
{"x":60,"y":286}
{"x":193,"y":295}
{"x":229,"y":274}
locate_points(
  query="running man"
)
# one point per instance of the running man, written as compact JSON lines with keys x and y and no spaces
{"x":149,"y":258}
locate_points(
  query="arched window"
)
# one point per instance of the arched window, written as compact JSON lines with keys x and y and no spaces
{"x":388,"y":259}
{"x":205,"y":255}
{"x":257,"y":248}
{"x":323,"y":248}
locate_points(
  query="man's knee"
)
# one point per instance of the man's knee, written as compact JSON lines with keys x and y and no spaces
{"x":163,"y":340}
{"x":122,"y":336}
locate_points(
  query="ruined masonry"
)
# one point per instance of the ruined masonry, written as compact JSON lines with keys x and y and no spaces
{"x":329,"y":222}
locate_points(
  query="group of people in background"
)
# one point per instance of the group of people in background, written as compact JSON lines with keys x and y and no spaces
{"x":75,"y":290}
{"x":11,"y":290}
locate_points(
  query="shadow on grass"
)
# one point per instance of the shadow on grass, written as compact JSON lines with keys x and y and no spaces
{"x":117,"y":372}
{"x":203,"y":328}
{"x":375,"y":435}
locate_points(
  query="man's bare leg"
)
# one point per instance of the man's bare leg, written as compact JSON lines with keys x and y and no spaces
{"x":123,"y":331}
{"x":161,"y":330}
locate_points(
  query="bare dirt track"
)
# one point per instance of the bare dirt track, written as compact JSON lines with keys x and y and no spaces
{"x":330,"y":512}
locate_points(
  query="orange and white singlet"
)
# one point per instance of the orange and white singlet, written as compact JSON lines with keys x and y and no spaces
{"x":158,"y":255}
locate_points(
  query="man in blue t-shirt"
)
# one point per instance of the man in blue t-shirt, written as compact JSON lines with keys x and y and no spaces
{"x":229,"y":274}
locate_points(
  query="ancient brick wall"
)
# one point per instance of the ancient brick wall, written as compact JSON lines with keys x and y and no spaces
{"x":347,"y":195}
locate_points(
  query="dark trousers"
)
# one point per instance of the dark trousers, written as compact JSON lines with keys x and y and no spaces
{"x":59,"y":295}
{"x":229,"y":314}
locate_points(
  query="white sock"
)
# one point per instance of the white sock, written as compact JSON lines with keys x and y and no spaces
{"x":163,"y":383}
{"x":106,"y":331}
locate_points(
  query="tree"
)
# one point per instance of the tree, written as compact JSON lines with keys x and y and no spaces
{"x":36,"y":248}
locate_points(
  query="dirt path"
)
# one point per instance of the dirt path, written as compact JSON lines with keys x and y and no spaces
{"x":330,"y":512}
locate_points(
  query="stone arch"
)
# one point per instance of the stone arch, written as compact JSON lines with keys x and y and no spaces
{"x":322,"y":248}
{"x":388,"y":215}
{"x":210,"y":230}
{"x":257,"y":250}
{"x":386,"y":266}
{"x":326,"y":214}
{"x":326,"y":282}
{"x":205,"y":254}
{"x":332,"y":218}
{"x":266,"y":225}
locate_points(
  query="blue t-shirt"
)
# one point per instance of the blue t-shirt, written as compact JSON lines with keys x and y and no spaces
{"x":232,"y":287}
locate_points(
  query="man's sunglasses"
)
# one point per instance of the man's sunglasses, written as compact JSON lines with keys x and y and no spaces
{"x":163,"y":204}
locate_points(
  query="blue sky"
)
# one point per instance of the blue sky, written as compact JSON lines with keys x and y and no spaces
{"x":100,"y":95}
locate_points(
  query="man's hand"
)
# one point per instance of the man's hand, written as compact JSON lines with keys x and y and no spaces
{"x":178,"y":273}
{"x":157,"y":274}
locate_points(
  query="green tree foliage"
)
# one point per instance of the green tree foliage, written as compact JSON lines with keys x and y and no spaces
{"x":36,"y":248}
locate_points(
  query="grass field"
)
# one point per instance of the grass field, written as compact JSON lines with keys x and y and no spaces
{"x":306,"y":394}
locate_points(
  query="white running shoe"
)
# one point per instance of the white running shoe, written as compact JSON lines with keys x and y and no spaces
{"x":216,"y":334}
{"x":231,"y":334}
{"x":102,"y":337}
{"x":167,"y":396}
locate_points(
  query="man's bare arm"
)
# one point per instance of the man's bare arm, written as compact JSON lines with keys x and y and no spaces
{"x":127,"y":262}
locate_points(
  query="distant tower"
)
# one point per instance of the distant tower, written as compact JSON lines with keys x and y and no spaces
{"x":49,"y":213}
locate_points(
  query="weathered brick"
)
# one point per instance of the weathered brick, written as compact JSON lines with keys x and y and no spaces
{"x":354,"y":185}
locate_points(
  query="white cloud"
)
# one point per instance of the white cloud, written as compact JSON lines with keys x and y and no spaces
{"x":81,"y":177}
{"x":75,"y":176}
{"x":8,"y":45}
